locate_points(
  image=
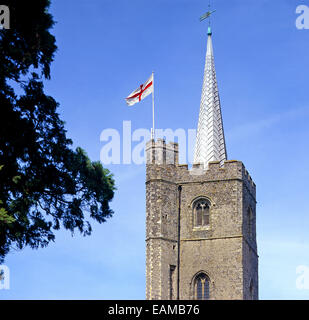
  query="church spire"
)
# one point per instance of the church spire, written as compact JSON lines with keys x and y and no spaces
{"x":210,"y":141}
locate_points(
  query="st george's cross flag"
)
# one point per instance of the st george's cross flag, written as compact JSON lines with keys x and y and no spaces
{"x":142,"y":92}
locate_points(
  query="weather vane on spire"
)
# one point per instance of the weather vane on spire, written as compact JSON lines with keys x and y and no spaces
{"x":206,"y":16}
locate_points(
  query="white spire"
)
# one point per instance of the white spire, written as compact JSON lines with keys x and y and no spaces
{"x":210,"y":141}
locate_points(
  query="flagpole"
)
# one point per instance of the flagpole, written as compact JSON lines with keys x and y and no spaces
{"x":153,"y":119}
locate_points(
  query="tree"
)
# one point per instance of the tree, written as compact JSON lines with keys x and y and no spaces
{"x":44,"y":184}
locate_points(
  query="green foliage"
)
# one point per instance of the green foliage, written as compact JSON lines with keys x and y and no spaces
{"x":43,"y":182}
{"x":4,"y":217}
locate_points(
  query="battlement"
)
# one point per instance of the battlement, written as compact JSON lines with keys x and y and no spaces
{"x":165,"y":158}
{"x":158,"y":152}
{"x":214,"y":171}
{"x":231,"y":169}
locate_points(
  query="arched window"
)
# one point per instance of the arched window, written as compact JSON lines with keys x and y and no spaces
{"x":201,"y":213}
{"x":201,"y":287}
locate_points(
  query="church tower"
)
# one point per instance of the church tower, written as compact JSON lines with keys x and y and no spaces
{"x":200,"y":222}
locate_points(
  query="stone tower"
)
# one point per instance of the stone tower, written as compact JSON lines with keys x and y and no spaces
{"x":200,"y":223}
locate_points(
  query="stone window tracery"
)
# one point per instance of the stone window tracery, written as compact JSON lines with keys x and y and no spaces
{"x":201,"y":287}
{"x":201,"y":213}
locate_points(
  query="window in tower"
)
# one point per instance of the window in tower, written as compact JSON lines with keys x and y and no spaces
{"x":201,"y":213}
{"x":201,"y":287}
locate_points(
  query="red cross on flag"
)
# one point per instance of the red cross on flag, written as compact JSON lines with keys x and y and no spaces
{"x":142,"y":92}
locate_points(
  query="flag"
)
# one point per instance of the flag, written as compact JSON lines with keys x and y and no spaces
{"x":142,"y":92}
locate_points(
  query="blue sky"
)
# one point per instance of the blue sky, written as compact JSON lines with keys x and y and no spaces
{"x":106,"y":48}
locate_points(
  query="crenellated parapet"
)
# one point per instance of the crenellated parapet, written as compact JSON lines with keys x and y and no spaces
{"x":215,"y":171}
{"x":162,"y":163}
